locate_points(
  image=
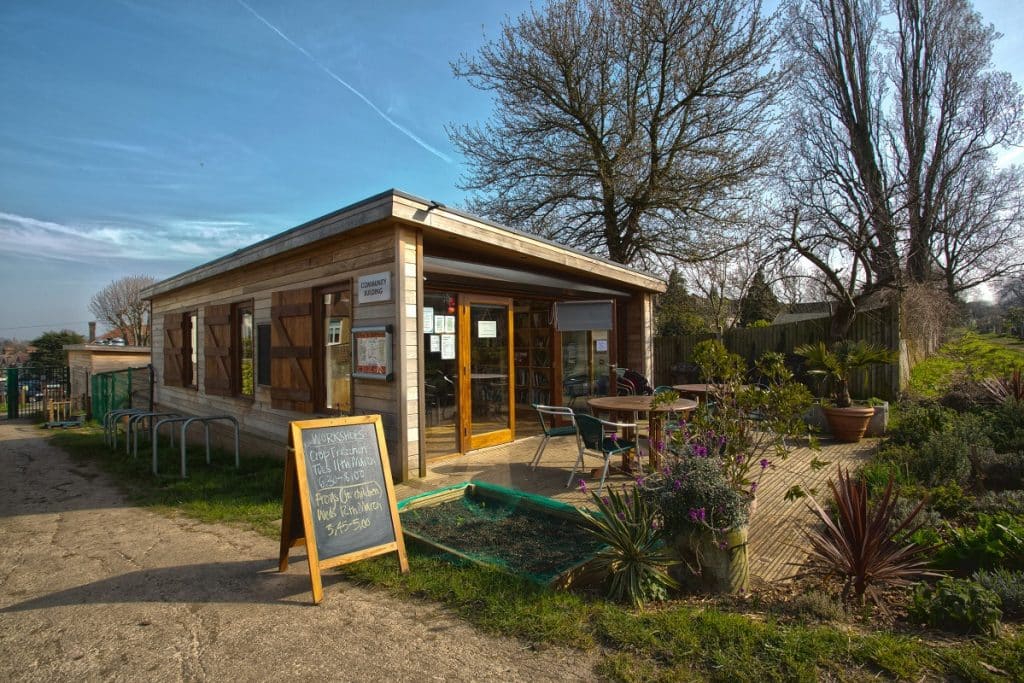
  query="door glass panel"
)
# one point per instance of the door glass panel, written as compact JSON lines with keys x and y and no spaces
{"x":489,"y":367}
{"x":584,"y":367}
{"x":338,"y":351}
{"x":440,"y":366}
{"x":534,"y":375}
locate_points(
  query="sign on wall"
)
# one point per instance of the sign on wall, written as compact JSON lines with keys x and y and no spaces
{"x":374,"y":288}
{"x":371,"y":351}
{"x":338,"y":497}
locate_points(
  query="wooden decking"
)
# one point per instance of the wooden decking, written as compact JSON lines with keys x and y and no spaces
{"x":776,"y":542}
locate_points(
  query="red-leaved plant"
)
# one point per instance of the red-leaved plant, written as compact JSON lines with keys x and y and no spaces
{"x":1005,"y":390}
{"x":861,"y":547}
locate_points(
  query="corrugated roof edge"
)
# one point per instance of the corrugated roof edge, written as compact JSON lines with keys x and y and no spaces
{"x":186,"y":277}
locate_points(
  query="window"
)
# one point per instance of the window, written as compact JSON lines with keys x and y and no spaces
{"x":179,"y":350}
{"x":228,"y":350}
{"x":192,"y":371}
{"x":263,"y":355}
{"x":243,"y":318}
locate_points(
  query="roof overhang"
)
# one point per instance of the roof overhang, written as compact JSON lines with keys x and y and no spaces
{"x":429,"y":216}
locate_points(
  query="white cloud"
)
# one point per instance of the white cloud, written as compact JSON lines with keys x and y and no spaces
{"x":184,"y":240}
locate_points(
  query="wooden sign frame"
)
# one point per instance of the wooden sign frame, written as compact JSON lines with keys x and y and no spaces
{"x":297,"y":526}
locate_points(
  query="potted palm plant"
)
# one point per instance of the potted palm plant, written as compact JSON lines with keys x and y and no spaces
{"x":837,"y":365}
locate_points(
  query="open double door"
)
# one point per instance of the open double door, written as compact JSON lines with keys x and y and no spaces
{"x":469,"y":397}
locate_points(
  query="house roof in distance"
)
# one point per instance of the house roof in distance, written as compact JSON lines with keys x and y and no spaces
{"x":423,"y":213}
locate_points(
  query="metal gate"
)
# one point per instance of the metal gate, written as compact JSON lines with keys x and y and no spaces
{"x":28,"y":391}
{"x":128,"y":388}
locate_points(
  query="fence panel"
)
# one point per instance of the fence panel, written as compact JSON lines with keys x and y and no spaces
{"x":673,"y":356}
{"x":119,"y":389}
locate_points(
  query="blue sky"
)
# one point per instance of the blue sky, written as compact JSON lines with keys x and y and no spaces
{"x":148,"y":136}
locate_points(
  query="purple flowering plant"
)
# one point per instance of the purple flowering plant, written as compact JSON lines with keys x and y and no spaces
{"x":746,"y":428}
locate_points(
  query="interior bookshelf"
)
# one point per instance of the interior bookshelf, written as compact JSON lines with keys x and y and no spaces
{"x":533,"y":353}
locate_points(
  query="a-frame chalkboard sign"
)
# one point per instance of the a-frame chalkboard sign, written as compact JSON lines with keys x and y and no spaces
{"x":338,"y":496}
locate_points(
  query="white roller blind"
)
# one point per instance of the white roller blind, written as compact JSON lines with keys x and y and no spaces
{"x":576,"y":316}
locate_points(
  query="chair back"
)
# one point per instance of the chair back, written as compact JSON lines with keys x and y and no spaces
{"x":663,"y":387}
{"x":591,"y":431}
{"x":548,"y":416}
{"x":642,"y":386}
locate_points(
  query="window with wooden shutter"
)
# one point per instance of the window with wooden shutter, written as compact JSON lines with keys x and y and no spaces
{"x":291,"y":353}
{"x":174,"y":350}
{"x":217,"y":350}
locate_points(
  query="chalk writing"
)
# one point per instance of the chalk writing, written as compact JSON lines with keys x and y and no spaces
{"x":348,"y":496}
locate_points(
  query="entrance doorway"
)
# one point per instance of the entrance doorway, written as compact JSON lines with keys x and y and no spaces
{"x":485,"y":384}
{"x":467,"y":351}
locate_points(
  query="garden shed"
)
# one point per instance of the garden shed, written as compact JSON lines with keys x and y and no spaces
{"x":445,"y":324}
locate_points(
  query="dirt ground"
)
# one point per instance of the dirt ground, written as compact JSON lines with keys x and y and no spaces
{"x":92,"y":588}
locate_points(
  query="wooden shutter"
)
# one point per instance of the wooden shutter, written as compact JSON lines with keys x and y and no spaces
{"x":218,"y":342}
{"x":291,"y":352}
{"x":174,"y":370}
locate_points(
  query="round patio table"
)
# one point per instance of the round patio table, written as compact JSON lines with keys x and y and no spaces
{"x":699,"y":391}
{"x":642,"y":404}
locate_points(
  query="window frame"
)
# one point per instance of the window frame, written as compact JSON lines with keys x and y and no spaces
{"x":238,"y":310}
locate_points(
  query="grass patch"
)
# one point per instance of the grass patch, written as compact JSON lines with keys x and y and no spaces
{"x":677,"y":641}
{"x":216,"y":493}
{"x":973,"y":355}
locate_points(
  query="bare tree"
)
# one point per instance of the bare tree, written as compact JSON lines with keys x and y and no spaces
{"x":892,"y":177}
{"x":621,"y":124}
{"x":120,"y":306}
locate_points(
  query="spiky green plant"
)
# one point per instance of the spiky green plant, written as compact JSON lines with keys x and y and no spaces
{"x":636,"y":559}
{"x":838,"y":364}
{"x":864,"y":546}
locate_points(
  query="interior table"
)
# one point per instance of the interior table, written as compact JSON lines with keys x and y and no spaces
{"x":642,"y":404}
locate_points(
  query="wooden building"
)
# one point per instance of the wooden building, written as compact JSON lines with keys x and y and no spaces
{"x":445,"y":324}
{"x":86,"y":360}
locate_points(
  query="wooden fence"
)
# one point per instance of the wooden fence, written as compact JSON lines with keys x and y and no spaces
{"x":673,"y":355}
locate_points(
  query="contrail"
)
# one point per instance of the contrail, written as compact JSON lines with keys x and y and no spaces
{"x":408,"y":133}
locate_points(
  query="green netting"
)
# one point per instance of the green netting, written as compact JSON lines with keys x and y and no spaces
{"x":521,"y":533}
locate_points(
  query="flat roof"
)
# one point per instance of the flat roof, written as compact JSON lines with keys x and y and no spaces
{"x":412,"y":210}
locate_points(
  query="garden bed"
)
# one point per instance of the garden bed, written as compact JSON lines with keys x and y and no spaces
{"x":523,"y":534}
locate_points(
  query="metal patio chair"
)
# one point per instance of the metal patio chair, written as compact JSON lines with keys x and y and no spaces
{"x":549,"y":417}
{"x":595,"y":436}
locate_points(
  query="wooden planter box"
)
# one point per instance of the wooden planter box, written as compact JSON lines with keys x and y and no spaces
{"x":580,"y":574}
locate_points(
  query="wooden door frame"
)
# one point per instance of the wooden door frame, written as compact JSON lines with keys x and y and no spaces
{"x":468,"y":442}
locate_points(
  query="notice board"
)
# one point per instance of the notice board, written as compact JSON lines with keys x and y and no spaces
{"x":338,"y":497}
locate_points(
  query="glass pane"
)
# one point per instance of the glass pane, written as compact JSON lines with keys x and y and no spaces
{"x":338,"y":352}
{"x":533,"y":373}
{"x":584,"y":367}
{"x":193,"y":322}
{"x":441,"y":374}
{"x":245,"y":353}
{"x":489,"y":371}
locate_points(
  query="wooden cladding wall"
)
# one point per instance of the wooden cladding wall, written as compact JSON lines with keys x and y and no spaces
{"x":673,"y":355}
{"x":280,"y":291}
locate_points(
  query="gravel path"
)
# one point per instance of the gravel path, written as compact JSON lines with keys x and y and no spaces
{"x":92,"y":588}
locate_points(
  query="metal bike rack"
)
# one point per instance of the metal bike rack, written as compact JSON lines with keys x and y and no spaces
{"x":156,"y":437}
{"x":131,"y":444}
{"x":110,"y":422}
{"x":206,"y":428}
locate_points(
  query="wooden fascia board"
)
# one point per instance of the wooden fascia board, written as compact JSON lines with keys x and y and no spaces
{"x":440,"y":220}
{"x":296,"y":238}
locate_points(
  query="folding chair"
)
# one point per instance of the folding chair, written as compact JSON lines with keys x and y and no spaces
{"x":594,"y":436}
{"x":549,"y":418}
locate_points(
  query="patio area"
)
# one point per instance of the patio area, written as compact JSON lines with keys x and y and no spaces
{"x":775,"y":540}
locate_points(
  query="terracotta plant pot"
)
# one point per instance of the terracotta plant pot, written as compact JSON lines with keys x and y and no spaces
{"x":848,"y":424}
